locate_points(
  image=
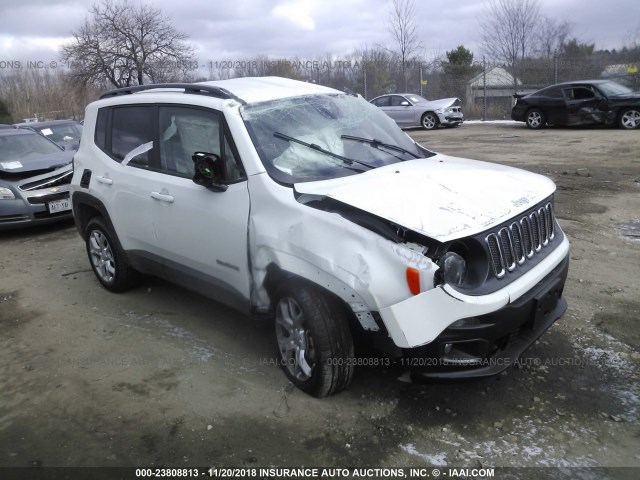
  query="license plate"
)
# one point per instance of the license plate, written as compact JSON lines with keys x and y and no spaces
{"x":59,"y":205}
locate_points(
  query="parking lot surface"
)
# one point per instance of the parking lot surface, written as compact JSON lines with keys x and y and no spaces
{"x":159,"y":376}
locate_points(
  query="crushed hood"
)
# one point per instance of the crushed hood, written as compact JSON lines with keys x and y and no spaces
{"x":441,"y":103}
{"x":442,"y":197}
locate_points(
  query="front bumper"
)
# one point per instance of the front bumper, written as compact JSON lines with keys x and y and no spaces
{"x":451,"y":120}
{"x":420,"y":319}
{"x":31,"y":208}
{"x":518,"y":113}
{"x":493,"y":342}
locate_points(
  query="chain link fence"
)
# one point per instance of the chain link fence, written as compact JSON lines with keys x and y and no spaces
{"x":487,"y":91}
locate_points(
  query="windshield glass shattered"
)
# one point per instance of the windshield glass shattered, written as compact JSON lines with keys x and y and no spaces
{"x":311,"y":138}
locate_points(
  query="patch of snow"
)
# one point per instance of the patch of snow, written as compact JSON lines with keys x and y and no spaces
{"x":437,"y":460}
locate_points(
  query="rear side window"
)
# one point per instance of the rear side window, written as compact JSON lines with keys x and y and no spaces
{"x":101,"y":129}
{"x":127,"y":133}
{"x":132,"y":128}
{"x":553,"y":92}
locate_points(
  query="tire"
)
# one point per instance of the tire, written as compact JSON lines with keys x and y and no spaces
{"x":107,"y":259}
{"x":629,"y":118}
{"x":429,"y":121}
{"x":535,"y":119}
{"x":314,"y":342}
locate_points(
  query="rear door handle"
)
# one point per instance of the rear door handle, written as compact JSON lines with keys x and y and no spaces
{"x":162,"y":197}
{"x":105,"y":180}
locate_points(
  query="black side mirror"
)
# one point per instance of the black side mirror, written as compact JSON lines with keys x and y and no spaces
{"x":208,"y":171}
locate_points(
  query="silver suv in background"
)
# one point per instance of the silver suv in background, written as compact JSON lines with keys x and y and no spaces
{"x":309,"y":207}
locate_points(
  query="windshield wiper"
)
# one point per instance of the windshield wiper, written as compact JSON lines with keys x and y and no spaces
{"x":377,"y":143}
{"x":318,"y":148}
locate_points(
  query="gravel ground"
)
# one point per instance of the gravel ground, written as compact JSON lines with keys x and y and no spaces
{"x":159,"y":376}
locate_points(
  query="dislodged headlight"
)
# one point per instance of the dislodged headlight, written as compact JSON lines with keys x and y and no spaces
{"x":453,"y":268}
{"x":6,"y":194}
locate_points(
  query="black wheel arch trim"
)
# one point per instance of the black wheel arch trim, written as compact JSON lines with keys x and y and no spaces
{"x":84,"y":203}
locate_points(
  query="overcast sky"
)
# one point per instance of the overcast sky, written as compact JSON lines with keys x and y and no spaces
{"x":32,"y":30}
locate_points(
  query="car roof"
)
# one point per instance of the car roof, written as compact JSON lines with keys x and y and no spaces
{"x":49,"y":123}
{"x":260,"y":89}
{"x":578,"y":82}
{"x":245,"y":89}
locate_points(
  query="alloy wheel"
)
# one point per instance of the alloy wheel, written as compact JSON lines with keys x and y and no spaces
{"x":294,"y":342}
{"x":102,"y":256}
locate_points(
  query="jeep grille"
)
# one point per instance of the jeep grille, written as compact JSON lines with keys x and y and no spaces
{"x":511,"y":246}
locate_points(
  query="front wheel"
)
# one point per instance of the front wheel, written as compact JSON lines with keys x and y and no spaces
{"x":536,"y":119}
{"x":429,"y":121}
{"x":314,"y":341}
{"x":107,"y":259}
{"x":629,"y":118}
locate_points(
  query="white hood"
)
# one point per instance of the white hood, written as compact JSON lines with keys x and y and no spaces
{"x":441,"y":197}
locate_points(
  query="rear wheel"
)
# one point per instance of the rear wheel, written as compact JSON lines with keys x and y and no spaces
{"x":536,"y":119}
{"x":630,"y":118}
{"x":107,"y":259}
{"x":429,"y":121}
{"x":314,"y":340}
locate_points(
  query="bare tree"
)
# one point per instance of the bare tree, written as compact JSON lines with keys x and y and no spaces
{"x":402,"y":26}
{"x":551,"y":36}
{"x":509,"y":31}
{"x":126,"y":44}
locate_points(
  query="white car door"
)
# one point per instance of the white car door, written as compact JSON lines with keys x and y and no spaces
{"x":124,"y":182}
{"x":202,"y":234}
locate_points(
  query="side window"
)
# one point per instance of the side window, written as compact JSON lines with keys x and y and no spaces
{"x":101,"y":129}
{"x":131,"y":134}
{"x":382,"y":102}
{"x":185,"y":131}
{"x":581,"y":93}
{"x":554,"y":93}
{"x":397,"y":100}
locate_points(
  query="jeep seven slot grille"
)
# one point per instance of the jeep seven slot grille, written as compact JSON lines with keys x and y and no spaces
{"x":513,"y":245}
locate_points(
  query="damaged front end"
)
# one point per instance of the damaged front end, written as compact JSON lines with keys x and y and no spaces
{"x":450,"y":261}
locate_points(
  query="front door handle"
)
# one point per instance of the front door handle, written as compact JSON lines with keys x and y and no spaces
{"x":105,"y":180}
{"x":163,"y":197}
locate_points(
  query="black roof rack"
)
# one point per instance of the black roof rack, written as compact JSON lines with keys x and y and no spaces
{"x":192,"y":88}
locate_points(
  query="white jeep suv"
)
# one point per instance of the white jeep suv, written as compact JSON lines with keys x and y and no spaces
{"x":299,"y":203}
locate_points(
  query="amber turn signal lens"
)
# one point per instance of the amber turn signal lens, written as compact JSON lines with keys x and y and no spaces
{"x":413,"y":280}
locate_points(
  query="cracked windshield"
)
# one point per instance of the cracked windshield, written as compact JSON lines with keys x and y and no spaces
{"x":319,"y":137}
